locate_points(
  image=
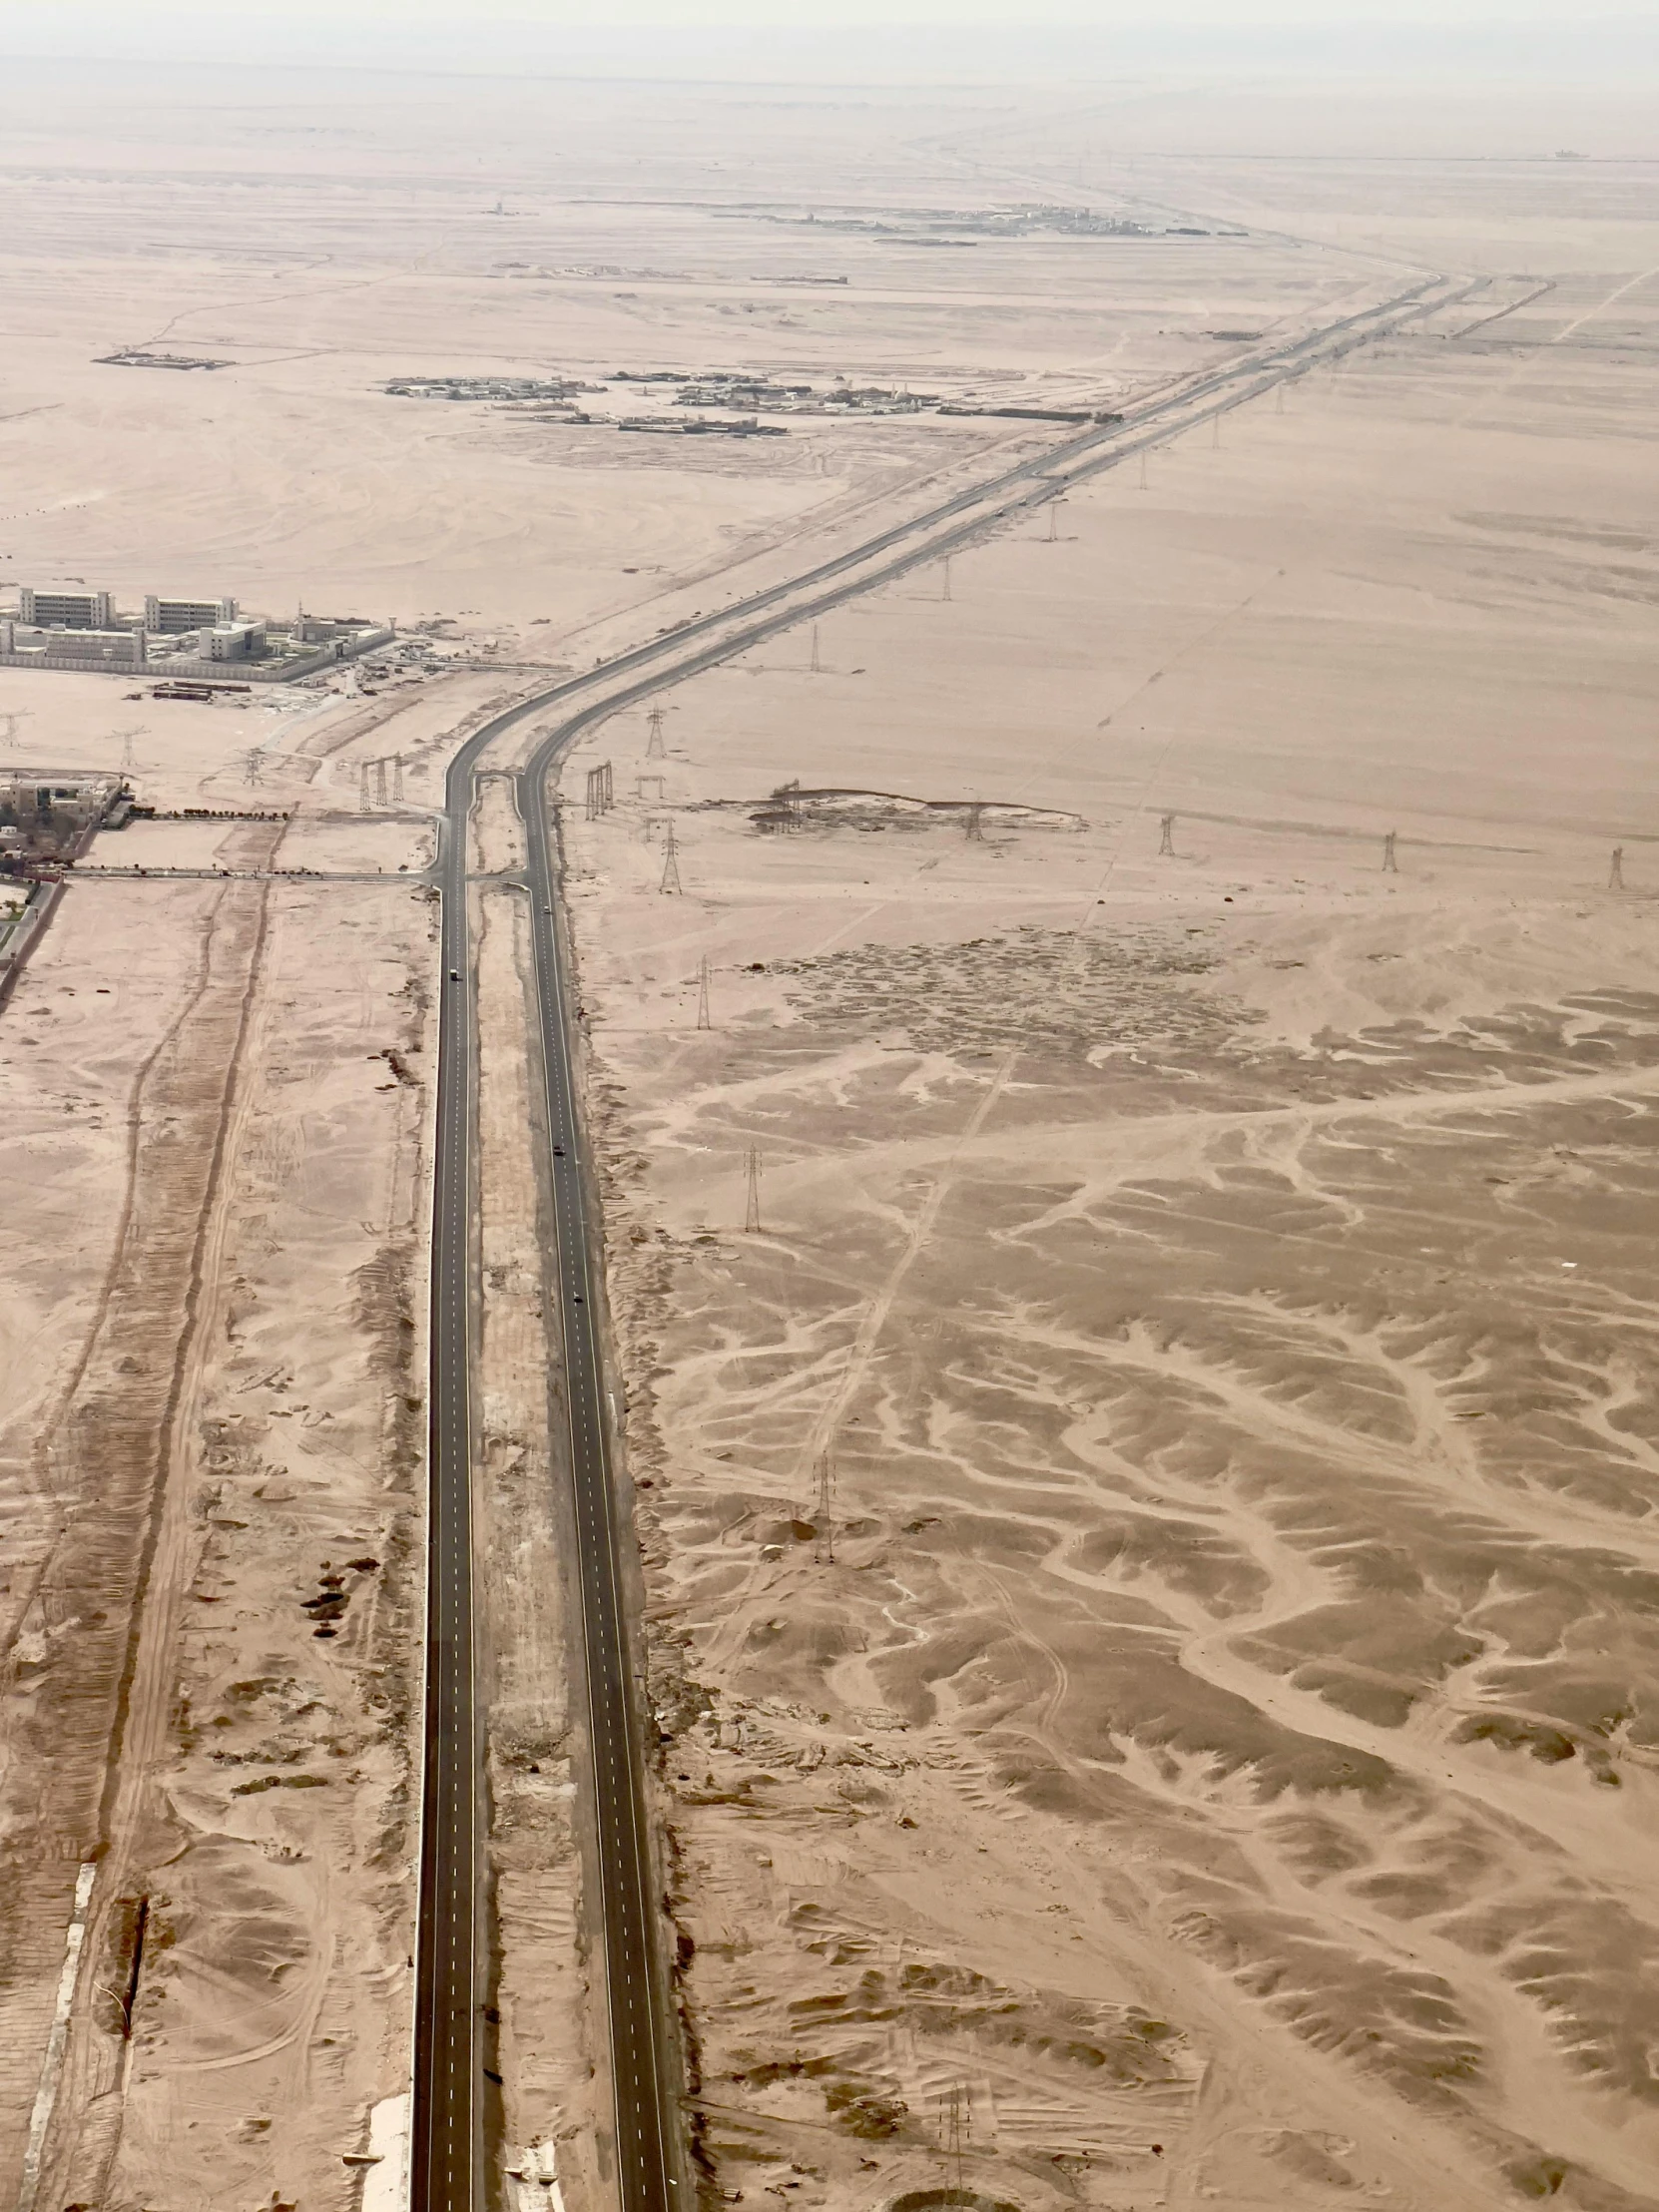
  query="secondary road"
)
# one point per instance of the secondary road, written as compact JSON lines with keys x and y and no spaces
{"x":452,"y":2031}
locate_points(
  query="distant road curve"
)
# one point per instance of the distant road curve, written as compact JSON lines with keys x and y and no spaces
{"x":453,"y":2069}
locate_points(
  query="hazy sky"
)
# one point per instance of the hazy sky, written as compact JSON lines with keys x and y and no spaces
{"x":499,"y":34}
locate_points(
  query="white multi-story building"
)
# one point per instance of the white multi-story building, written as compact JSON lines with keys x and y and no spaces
{"x":66,"y":610}
{"x":170,"y":618}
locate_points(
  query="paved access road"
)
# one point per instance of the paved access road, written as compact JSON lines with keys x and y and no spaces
{"x":453,"y":2037}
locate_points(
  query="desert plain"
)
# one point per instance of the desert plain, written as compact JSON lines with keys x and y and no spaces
{"x":1124,"y":1116}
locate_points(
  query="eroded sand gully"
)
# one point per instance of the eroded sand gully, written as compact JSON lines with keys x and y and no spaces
{"x":1206,"y":1747}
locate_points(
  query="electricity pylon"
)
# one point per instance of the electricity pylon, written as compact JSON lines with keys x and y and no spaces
{"x":824,"y":1538}
{"x":1615,"y":875}
{"x":1166,"y":836}
{"x":655,"y":749}
{"x":671,"y":864}
{"x":1390,"y":866}
{"x":363,"y":794}
{"x":945,"y":593}
{"x":815,"y":667}
{"x":956,"y":2125}
{"x":751,"y":1206}
{"x":703,"y":1017}
{"x":381,"y":783}
{"x":975,"y":829}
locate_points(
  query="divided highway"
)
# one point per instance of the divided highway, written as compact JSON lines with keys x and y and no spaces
{"x":452,"y":2032}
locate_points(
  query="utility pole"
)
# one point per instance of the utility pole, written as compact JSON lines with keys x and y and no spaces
{"x":1615,"y":875}
{"x":1165,"y":836}
{"x":1390,"y":866}
{"x":1053,"y":507}
{"x":703,"y":1018}
{"x":655,"y":749}
{"x":752,"y":1207}
{"x":815,"y":667}
{"x":671,"y":864}
{"x":823,"y":1540}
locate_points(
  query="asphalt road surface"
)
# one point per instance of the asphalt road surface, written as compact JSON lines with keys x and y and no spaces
{"x":452,"y":2066}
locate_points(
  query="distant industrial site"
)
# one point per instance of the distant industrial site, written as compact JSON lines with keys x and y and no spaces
{"x":738,"y":398}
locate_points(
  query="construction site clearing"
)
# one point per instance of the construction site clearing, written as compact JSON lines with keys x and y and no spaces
{"x":138,"y":357}
{"x":790,"y":809}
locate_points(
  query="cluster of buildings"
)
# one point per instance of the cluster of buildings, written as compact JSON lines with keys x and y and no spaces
{"x":48,"y":814}
{"x":175,"y":638}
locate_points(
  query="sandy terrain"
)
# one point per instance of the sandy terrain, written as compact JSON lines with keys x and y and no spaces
{"x":1183,"y":1434}
{"x":1182,"y":1430}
